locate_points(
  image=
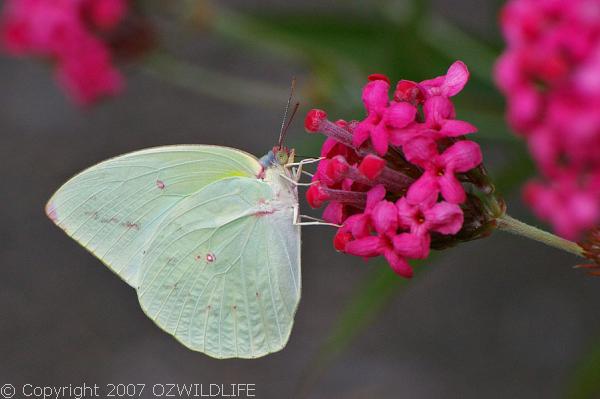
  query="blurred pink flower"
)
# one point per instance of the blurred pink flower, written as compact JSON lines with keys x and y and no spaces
{"x":550,"y":74}
{"x":89,"y":75}
{"x":106,"y":14}
{"x":570,"y":205}
{"x":64,"y":31}
{"x":382,"y":177}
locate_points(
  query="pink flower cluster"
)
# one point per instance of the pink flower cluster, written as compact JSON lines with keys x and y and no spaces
{"x":69,"y":33}
{"x":393,"y":180}
{"x":550,"y":74}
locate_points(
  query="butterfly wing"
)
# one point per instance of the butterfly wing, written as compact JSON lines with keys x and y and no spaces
{"x":222,"y":274}
{"x":115,"y":207}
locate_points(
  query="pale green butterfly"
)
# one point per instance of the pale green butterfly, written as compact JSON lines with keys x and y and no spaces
{"x":208,"y":236}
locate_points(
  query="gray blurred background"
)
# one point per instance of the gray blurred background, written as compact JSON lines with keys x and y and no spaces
{"x":497,"y":318}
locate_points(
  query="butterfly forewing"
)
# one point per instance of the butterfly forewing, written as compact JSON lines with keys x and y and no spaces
{"x":114,"y":207}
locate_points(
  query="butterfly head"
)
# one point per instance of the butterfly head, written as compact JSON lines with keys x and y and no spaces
{"x":278,"y":156}
{"x":283,"y":155}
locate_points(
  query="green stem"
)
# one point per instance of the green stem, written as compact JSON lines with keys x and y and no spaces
{"x":517,"y":227}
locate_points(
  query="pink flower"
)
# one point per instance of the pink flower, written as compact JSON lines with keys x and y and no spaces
{"x":106,"y":14}
{"x":424,"y":217}
{"x":382,"y":117}
{"x":410,"y":92}
{"x":569,"y":206}
{"x":439,"y":123}
{"x":376,"y":246}
{"x":439,"y":175}
{"x":382,"y":176}
{"x":89,"y":75}
{"x":447,"y":85}
{"x":65,"y":32}
{"x":549,"y":75}
{"x":382,"y":217}
{"x":364,"y":222}
{"x":37,"y":26}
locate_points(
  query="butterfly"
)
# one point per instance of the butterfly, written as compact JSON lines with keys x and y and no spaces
{"x":208,"y":236}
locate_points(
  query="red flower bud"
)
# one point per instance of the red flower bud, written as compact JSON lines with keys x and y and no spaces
{"x":316,"y":196}
{"x":409,"y":91}
{"x":337,"y":168}
{"x":313,"y":120}
{"x":371,"y":166}
{"x":341,"y":239}
{"x":378,"y":76}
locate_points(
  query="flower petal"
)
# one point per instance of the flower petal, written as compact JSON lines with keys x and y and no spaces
{"x":425,"y":189}
{"x":399,"y":115}
{"x":334,"y":213}
{"x":420,"y":151}
{"x":456,"y":78}
{"x":462,"y":156}
{"x":361,"y":133}
{"x":367,"y":246}
{"x":398,"y":264}
{"x":385,"y":217}
{"x":361,"y":227}
{"x":451,"y":189}
{"x":379,"y":139}
{"x":437,"y":109}
{"x":454,"y":128}
{"x":415,"y":246}
{"x":375,"y":96}
{"x":445,"y":218}
{"x":431,"y":87}
{"x":375,"y":195}
{"x":406,"y":213}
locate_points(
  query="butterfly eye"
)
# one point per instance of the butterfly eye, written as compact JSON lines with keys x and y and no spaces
{"x":282,"y":157}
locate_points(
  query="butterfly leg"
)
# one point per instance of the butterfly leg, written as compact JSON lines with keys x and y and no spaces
{"x":315,"y":221}
{"x":298,"y":172}
{"x":295,"y":181}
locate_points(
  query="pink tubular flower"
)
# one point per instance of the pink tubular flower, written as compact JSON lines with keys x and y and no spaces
{"x":550,"y":75}
{"x":72,"y":34}
{"x":439,"y":169}
{"x":439,"y":123}
{"x":449,"y":84}
{"x":422,"y":217}
{"x":382,"y":177}
{"x":382,"y":117}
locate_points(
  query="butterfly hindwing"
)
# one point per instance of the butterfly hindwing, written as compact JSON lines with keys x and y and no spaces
{"x":222,"y":274}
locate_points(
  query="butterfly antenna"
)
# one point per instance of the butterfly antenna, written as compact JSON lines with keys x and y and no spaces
{"x":285,"y":112}
{"x":289,"y":123}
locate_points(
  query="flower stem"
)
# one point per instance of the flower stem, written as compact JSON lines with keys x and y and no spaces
{"x":517,"y":227}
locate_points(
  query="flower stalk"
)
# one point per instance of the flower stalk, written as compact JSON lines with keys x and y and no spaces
{"x":514,"y":226}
